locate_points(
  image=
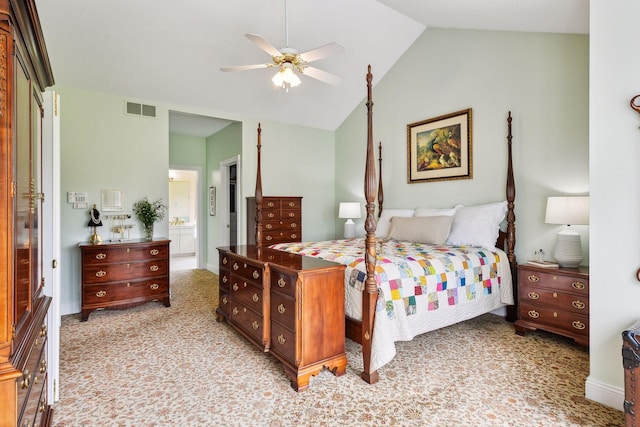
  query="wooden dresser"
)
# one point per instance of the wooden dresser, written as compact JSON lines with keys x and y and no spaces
{"x":554,"y":300}
{"x":26,"y":387}
{"x":124,"y":274}
{"x":279,"y":220}
{"x":287,"y":304}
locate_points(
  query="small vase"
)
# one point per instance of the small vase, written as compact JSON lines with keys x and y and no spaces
{"x":148,"y":231}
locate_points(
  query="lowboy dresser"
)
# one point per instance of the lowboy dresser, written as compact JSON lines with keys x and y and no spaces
{"x":124,"y":274}
{"x":287,"y":304}
{"x":555,"y":300}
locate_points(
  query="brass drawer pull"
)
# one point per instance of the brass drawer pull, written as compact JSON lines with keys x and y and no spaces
{"x":42,"y":405}
{"x":292,"y":214}
{"x":281,"y":339}
{"x":578,"y":325}
{"x":43,"y":366}
{"x":235,"y":286}
{"x":534,"y":314}
{"x":235,"y":310}
{"x":256,"y":274}
{"x":534,"y":295}
{"x":154,"y":286}
{"x":533,"y":278}
{"x":281,"y":282}
{"x":268,"y":226}
{"x":235,"y":266}
{"x":225,"y":300}
{"x":292,"y":204}
{"x":101,"y":273}
{"x":100,"y":294}
{"x":271,"y":215}
{"x":281,"y":309}
{"x":294,"y":225}
{"x":578,"y":304}
{"x":255,"y":324}
{"x":154,"y":252}
{"x":154,"y":268}
{"x":294,"y":236}
{"x":26,"y":379}
{"x":43,"y":331}
{"x":578,"y":285}
{"x":101,"y":256}
{"x":268,"y":238}
{"x":270,"y":204}
{"x":255,"y":298}
{"x":224,"y":279}
{"x":128,"y":250}
{"x":224,"y":260}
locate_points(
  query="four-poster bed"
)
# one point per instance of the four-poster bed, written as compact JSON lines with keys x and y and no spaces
{"x":463,"y":272}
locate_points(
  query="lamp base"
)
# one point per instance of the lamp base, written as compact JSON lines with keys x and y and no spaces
{"x":95,"y":237}
{"x":349,"y":229}
{"x":568,"y":252}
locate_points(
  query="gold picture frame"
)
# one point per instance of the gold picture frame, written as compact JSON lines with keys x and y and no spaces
{"x":440,"y":148}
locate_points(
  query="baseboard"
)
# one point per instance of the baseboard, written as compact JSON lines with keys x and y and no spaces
{"x":604,"y":393}
{"x":214,"y":268}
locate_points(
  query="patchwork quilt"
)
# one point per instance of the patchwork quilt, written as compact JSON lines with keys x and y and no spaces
{"x":421,"y":287}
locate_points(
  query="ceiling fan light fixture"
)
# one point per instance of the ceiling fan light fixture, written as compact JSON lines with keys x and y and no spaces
{"x":286,"y":77}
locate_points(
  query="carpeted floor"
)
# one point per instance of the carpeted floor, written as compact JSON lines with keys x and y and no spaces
{"x":157,"y":366}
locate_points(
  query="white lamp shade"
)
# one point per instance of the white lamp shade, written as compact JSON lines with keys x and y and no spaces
{"x":349,"y":210}
{"x":570,"y":210}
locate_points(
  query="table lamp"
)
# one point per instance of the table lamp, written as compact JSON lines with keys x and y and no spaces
{"x":349,"y":210}
{"x":570,"y":210}
{"x":95,"y":222}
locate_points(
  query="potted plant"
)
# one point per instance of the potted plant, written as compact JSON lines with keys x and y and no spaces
{"x":149,"y":213}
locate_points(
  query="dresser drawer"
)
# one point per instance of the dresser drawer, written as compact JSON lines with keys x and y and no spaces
{"x":224,"y":279}
{"x":574,"y":302}
{"x":34,"y":372}
{"x":281,"y":282}
{"x":248,"y":321}
{"x":105,"y":254}
{"x":248,"y":294}
{"x":574,"y":324}
{"x":120,"y":291}
{"x":283,"y":310}
{"x":246,"y":270}
{"x":559,"y":282}
{"x":224,"y":302}
{"x":96,"y":273}
{"x":283,"y":341}
{"x":35,"y":405}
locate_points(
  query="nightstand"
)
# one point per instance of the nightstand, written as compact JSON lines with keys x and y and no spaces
{"x":555,"y":300}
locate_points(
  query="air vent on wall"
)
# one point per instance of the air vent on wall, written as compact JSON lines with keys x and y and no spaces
{"x":137,"y":109}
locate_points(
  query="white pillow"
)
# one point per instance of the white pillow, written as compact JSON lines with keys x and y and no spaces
{"x":382,"y":229}
{"x":436,"y":212}
{"x":477,"y":225}
{"x":432,"y":230}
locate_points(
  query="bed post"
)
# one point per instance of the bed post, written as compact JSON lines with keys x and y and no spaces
{"x":258,"y":193}
{"x":380,"y":191}
{"x":370,"y":293}
{"x":511,"y":224}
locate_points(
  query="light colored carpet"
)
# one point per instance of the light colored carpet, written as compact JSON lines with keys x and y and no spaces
{"x":157,"y":366}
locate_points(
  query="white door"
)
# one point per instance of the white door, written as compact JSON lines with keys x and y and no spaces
{"x":51,"y":235}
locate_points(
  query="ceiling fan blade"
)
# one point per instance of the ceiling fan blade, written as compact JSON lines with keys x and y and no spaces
{"x":245,"y":67}
{"x":323,"y":76}
{"x":322,"y":52}
{"x":263,"y":44}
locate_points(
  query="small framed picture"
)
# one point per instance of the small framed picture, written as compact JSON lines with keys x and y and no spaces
{"x":212,"y":201}
{"x":440,"y":149}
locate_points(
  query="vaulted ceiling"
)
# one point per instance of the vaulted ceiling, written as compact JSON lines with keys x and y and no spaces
{"x":170,"y":52}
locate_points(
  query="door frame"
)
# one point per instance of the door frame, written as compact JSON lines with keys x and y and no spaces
{"x":200,"y":208}
{"x":224,"y":197}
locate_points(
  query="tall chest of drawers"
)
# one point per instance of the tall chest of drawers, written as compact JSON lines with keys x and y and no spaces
{"x":280,"y":220}
{"x":289,"y":305}
{"x":124,"y":274}
{"x":554,"y":300}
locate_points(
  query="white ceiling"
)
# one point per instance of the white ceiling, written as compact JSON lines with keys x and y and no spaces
{"x":170,"y":53}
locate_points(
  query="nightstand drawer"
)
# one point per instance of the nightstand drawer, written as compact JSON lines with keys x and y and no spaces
{"x":548,"y":297}
{"x":570,"y":322}
{"x":555,"y":281}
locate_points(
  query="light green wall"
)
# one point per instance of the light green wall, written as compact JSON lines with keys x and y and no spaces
{"x":187,"y":150}
{"x":541,"y":78}
{"x":103,"y":148}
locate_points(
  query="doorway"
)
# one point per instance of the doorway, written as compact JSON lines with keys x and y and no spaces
{"x":231,"y":209}
{"x":184,"y":218}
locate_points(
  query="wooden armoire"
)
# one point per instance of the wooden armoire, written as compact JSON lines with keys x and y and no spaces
{"x":25,"y":72}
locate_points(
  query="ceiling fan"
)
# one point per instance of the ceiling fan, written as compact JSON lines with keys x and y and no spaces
{"x":288,"y":60}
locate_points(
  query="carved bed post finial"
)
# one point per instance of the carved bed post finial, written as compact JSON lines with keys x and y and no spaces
{"x":380,"y":191}
{"x":258,"y":193}
{"x":370,"y":292}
